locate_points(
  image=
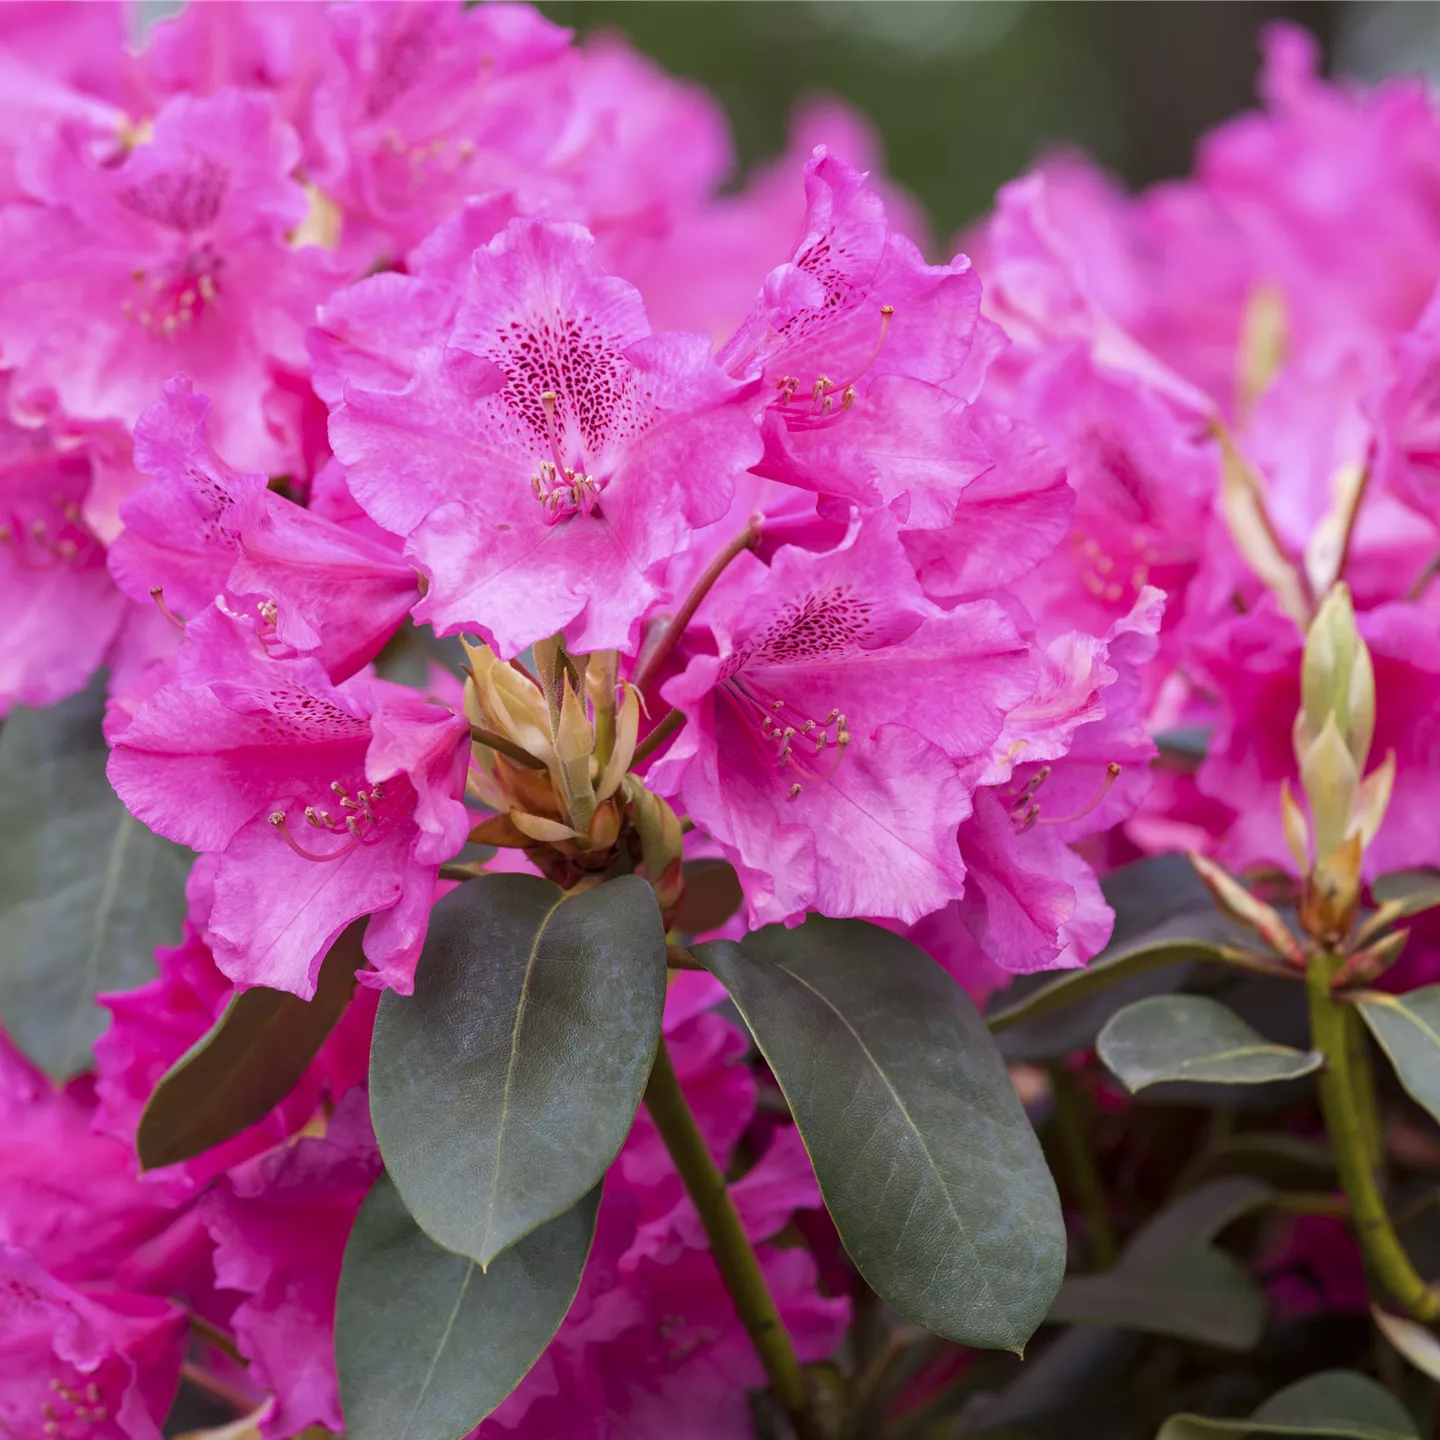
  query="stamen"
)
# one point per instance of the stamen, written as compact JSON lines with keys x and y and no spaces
{"x":547,"y":402}
{"x":278,"y":821}
{"x":157,"y":594}
{"x":1112,"y":772}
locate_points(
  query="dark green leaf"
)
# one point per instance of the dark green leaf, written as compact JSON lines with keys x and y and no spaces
{"x":1175,"y":942}
{"x":1194,"y":1293}
{"x":1191,"y":1037}
{"x":1408,"y":1029}
{"x":1414,"y":890}
{"x":923,"y":1151}
{"x":502,"y":1089}
{"x":1195,"y":1217}
{"x":1150,"y":892}
{"x":1285,"y":1162}
{"x":247,"y":1063}
{"x":86,"y":891}
{"x":426,"y":1344}
{"x":712,"y":895}
{"x":1336,"y":1403}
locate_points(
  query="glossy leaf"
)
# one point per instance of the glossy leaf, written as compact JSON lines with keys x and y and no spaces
{"x":503,"y":1088}
{"x":1191,"y":1037}
{"x":1417,"y":1343}
{"x":1195,"y":1217}
{"x":1413,"y":890}
{"x":426,"y":1343}
{"x":1336,"y":1403}
{"x":1196,"y":1293}
{"x":247,"y":1062}
{"x":925,"y":1157}
{"x":1407,"y":1028}
{"x":86,"y":891}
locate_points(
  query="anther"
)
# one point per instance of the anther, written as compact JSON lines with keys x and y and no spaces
{"x":793,"y":791}
{"x":1112,"y":772}
{"x":277,"y":819}
{"x":157,"y":594}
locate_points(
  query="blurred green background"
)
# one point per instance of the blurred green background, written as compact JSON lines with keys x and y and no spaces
{"x":967,"y":92}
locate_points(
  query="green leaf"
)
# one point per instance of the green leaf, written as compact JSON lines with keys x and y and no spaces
{"x":1413,"y":890}
{"x":426,"y":1343}
{"x":1191,"y":1037}
{"x":1407,"y":1028}
{"x":246,"y":1063}
{"x":1336,"y":1403}
{"x":1195,"y":1293}
{"x":1417,"y":1343}
{"x":503,"y":1088}
{"x":1195,"y":1217}
{"x":923,"y":1152}
{"x":86,"y":891}
{"x":1177,"y":941}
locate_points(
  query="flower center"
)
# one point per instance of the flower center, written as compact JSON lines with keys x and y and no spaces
{"x":561,"y":489}
{"x":1104,"y":574}
{"x":1025,"y":808}
{"x":50,"y":535}
{"x":72,"y":1413}
{"x":170,"y":298}
{"x":792,"y":742}
{"x":818,"y":409}
{"x":358,"y":822}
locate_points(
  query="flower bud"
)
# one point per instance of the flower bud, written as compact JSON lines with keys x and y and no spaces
{"x":1337,"y":680}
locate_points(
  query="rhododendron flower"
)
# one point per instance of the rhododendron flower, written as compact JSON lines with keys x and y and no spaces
{"x":280,"y":1222}
{"x":52,"y":567}
{"x":551,"y":453}
{"x":324,"y":802}
{"x":867,"y":356}
{"x":114,"y":277}
{"x":155,"y":1024}
{"x":422,"y":105}
{"x":831,"y":733}
{"x":99,"y":1365}
{"x":199,"y":530}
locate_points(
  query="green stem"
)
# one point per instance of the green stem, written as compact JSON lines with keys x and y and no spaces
{"x":657,"y":737}
{"x":739,"y":1267}
{"x":1069,"y":1121}
{"x":1350,"y":1131}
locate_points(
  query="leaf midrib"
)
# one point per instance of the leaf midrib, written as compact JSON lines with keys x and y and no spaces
{"x":510,"y":1065}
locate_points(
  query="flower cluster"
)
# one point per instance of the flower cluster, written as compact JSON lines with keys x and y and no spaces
{"x":330,"y":333}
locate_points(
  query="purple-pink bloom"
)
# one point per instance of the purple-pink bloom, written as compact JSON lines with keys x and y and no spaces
{"x":836,"y":733}
{"x":549,"y":453}
{"x":200,"y":530}
{"x":323,"y":802}
{"x":59,"y":609}
{"x":100,"y":1365}
{"x":113,"y":277}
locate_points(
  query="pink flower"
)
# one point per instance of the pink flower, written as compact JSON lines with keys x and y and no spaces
{"x":422,"y":105}
{"x":280,"y":1223}
{"x":551,"y":454}
{"x":59,"y":609}
{"x":101,"y":1366}
{"x":199,"y":530}
{"x":868,"y":357}
{"x":114,"y":277}
{"x":324,"y":802}
{"x":1031,"y":902}
{"x":153,"y":1025}
{"x":831,"y":735}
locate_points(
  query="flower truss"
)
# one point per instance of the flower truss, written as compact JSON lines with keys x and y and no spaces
{"x":486,"y":612}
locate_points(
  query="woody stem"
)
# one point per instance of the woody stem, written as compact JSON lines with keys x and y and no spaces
{"x":734,"y":1255}
{"x":1343,"y":1101}
{"x":658,"y":736}
{"x":745,"y":540}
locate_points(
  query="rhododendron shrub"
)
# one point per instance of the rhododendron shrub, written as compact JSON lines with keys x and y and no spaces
{"x":587,"y":757}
